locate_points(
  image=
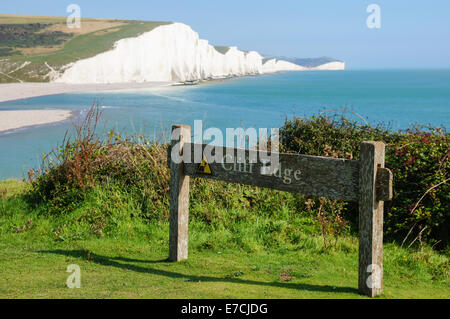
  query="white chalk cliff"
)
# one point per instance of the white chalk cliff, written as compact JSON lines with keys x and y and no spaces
{"x":337,"y":65}
{"x":171,"y":52}
{"x":275,"y":65}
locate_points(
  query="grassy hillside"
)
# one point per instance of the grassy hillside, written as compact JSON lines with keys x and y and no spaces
{"x":47,"y":43}
{"x":233,"y":254}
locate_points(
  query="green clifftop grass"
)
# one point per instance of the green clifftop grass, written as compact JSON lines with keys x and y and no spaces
{"x":232,"y":254}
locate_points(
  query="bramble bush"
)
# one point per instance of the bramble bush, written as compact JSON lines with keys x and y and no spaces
{"x":418,"y":158}
{"x":30,"y":35}
{"x":133,"y":171}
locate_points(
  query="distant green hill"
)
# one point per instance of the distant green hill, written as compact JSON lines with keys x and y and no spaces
{"x":313,"y":62}
{"x":222,"y":49}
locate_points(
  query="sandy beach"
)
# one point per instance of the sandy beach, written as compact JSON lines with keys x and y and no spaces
{"x":11,"y":120}
{"x":19,"y":91}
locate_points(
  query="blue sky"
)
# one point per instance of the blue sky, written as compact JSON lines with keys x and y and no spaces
{"x":413,"y":33}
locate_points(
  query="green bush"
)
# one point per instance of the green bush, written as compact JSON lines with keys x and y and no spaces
{"x":30,"y":35}
{"x":418,"y":158}
{"x":137,"y":168}
{"x":4,"y":52}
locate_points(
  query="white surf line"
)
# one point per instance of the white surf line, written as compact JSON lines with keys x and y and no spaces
{"x":179,"y":99}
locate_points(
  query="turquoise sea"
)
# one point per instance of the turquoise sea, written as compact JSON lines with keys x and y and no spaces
{"x":400,"y":97}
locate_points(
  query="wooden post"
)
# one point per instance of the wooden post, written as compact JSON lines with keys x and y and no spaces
{"x":370,"y":281}
{"x":179,"y":197}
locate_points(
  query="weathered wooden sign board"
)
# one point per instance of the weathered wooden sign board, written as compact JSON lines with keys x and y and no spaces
{"x":365,"y":181}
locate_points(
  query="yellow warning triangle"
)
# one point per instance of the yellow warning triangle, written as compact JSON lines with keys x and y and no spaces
{"x":204,"y":167}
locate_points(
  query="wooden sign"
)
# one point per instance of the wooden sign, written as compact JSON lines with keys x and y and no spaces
{"x":365,"y":181}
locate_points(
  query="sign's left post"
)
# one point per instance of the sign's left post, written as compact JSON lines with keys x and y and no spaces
{"x":179,"y":194}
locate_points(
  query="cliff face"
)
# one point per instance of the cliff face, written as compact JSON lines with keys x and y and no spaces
{"x":333,"y":66}
{"x":169,"y":53}
{"x":275,"y":65}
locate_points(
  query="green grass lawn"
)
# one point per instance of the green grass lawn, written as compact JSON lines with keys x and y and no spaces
{"x":137,"y":269}
{"x":127,"y":260}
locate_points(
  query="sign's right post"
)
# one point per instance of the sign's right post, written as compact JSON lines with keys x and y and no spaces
{"x":370,"y":280}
